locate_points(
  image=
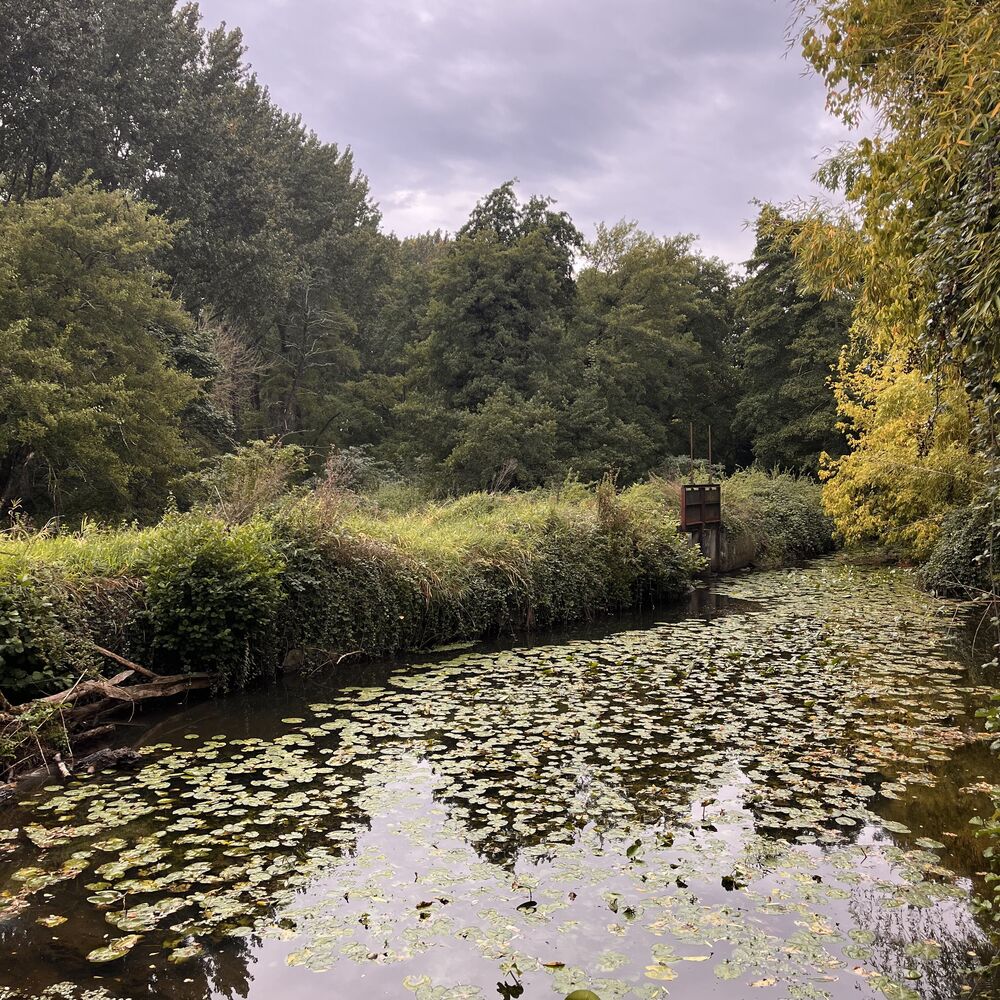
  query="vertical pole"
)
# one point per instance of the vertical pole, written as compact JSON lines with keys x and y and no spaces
{"x":691,"y":433}
{"x":709,"y":452}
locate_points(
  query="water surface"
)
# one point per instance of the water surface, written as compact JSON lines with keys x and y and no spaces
{"x":765,"y":793}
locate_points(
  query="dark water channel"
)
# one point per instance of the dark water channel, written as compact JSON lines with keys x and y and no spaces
{"x":764,"y":793}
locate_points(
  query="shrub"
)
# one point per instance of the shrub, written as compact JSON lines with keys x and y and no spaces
{"x":247,"y":482}
{"x":330,"y":573}
{"x":211,"y":593}
{"x":959,"y":564}
{"x":43,"y":634}
{"x":780,"y":511}
{"x":470,"y":567}
{"x":343,"y":592}
{"x":354,"y":468}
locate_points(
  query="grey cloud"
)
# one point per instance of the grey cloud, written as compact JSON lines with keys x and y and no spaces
{"x":671,"y":112}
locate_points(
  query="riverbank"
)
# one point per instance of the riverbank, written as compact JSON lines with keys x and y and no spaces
{"x":95,"y":623}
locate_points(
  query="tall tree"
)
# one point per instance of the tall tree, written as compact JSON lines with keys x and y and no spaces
{"x":91,"y":86}
{"x":920,"y":242}
{"x":789,"y":343}
{"x":91,"y":409}
{"x":494,"y":344}
{"x":655,"y":321}
{"x":501,"y":300}
{"x":338,"y":262}
{"x":404,"y":300}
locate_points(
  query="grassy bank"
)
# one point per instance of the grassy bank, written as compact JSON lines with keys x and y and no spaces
{"x":315,"y":576}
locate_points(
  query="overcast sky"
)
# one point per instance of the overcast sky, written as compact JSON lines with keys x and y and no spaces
{"x":675,"y":113}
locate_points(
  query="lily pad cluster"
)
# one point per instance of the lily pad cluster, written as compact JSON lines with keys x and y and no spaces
{"x":701,"y":801}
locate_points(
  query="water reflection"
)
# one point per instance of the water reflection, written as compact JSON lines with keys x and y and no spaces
{"x":768,"y":788}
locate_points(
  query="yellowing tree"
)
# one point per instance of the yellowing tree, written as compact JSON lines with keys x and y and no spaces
{"x":909,"y":464}
{"x":921,"y":242}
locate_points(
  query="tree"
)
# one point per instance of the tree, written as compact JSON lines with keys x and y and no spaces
{"x":502,"y":298}
{"x":91,"y":86}
{"x":91,"y":409}
{"x":338,"y":262}
{"x":280,"y":243}
{"x":920,"y":237}
{"x":789,"y":343}
{"x":655,"y":321}
{"x":508,"y":441}
{"x":404,"y":301}
{"x":909,"y":461}
{"x":492,"y":345}
{"x":277,"y":240}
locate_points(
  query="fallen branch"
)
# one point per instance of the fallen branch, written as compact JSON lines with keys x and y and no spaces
{"x":123,"y":662}
{"x":79,"y":707}
{"x":108,"y":688}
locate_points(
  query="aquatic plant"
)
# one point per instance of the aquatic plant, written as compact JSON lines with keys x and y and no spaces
{"x":761,"y":798}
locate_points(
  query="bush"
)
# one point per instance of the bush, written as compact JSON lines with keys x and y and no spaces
{"x":211,"y":594}
{"x":781,"y":512}
{"x":247,"y":482}
{"x":342,"y":592}
{"x":326,"y":573}
{"x":43,"y":645}
{"x":959,"y":564}
{"x":471,"y":567}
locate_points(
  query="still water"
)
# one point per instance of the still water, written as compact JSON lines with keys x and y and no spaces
{"x":764,"y":793}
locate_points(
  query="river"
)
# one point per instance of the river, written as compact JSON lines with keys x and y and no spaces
{"x":765,"y":791}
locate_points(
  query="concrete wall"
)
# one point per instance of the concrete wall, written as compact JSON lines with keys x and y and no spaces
{"x":725,"y":552}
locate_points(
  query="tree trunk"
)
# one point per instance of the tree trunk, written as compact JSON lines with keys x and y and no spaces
{"x":13,"y":473}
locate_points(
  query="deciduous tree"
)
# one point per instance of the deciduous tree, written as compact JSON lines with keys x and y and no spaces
{"x":91,"y":407}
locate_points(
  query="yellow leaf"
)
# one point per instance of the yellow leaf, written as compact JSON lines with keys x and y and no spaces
{"x":661,"y":972}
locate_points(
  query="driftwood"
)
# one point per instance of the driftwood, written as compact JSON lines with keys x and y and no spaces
{"x":80,"y":707}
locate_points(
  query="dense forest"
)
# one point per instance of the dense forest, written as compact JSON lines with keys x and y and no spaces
{"x":187,"y":267}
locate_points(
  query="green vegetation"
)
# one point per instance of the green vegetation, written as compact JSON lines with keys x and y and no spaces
{"x":169,"y":315}
{"x":507,"y":355}
{"x":90,"y":402}
{"x":960,"y":562}
{"x":919,"y":391}
{"x":780,"y":513}
{"x":787,"y":349}
{"x":510,"y":354}
{"x":244,"y":430}
{"x":312,"y":575}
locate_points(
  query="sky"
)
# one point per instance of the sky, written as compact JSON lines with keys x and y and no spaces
{"x":674,"y":113}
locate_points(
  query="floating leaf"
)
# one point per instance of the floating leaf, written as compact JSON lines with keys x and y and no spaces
{"x":115,"y":949}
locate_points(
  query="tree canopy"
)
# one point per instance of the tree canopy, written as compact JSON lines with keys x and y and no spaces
{"x":509,"y":354}
{"x":788,"y":345}
{"x":919,"y":240}
{"x":91,"y":408}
